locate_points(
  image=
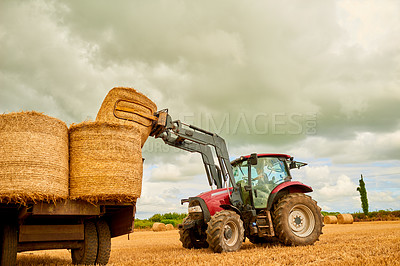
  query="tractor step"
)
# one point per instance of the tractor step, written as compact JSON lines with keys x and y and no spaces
{"x":264,"y":224}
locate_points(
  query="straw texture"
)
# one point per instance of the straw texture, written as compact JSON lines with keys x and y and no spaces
{"x":330,"y":219}
{"x":33,"y":157}
{"x":345,"y":218}
{"x":105,"y":162}
{"x":157,"y":227}
{"x":106,"y":112}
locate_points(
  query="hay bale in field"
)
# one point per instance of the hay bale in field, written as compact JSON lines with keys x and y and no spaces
{"x":33,"y":157}
{"x":170,"y":227}
{"x":120,"y":96}
{"x":105,"y":162}
{"x":330,"y":219}
{"x":157,"y":227}
{"x":345,"y":218}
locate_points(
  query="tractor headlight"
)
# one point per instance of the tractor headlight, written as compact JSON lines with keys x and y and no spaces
{"x":193,"y":209}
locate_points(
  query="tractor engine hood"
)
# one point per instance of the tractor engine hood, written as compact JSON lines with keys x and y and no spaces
{"x":214,"y":198}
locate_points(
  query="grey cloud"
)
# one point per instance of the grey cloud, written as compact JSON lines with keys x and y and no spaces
{"x":264,"y":57}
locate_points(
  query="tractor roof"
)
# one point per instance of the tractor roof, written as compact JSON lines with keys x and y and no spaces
{"x":269,"y":155}
{"x":260,"y":155}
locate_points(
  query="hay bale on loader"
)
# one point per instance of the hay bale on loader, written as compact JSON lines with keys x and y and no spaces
{"x":157,"y":227}
{"x":105,"y":162}
{"x":345,"y":218}
{"x":330,"y":219}
{"x":126,"y":106}
{"x":33,"y":158}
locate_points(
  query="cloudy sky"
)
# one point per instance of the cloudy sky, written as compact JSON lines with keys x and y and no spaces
{"x":319,"y":80}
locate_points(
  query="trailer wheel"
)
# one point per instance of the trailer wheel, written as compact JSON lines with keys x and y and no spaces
{"x":8,"y":245}
{"x":104,"y":242}
{"x":297,"y":220}
{"x":190,"y":237}
{"x":88,"y":252}
{"x":225,"y":232}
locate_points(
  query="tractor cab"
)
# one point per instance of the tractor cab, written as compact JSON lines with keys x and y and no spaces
{"x":258,"y":176}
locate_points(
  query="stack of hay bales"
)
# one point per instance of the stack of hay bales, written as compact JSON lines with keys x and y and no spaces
{"x":330,"y":219}
{"x":128,"y":98}
{"x":157,"y":227}
{"x":33,"y":158}
{"x":41,"y":160}
{"x":345,"y":218}
{"x":105,"y":156}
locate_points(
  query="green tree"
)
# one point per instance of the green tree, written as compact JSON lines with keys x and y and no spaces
{"x":363,"y":195}
{"x":156,"y":218}
{"x":171,"y":216}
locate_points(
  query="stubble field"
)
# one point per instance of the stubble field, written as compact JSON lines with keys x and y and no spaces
{"x":367,"y":243}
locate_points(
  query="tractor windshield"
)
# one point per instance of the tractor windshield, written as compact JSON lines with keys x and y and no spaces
{"x":265,"y":176}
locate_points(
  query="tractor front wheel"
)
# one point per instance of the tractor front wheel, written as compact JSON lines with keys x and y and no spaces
{"x":225,"y":232}
{"x":190,"y":237}
{"x":297,"y":220}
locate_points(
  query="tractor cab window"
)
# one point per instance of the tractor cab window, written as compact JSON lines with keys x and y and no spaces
{"x":265,"y":176}
{"x":273,"y":170}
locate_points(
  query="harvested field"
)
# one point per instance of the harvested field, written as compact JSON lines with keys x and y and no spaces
{"x":368,"y":243}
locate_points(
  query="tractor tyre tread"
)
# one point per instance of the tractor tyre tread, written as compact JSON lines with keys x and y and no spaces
{"x":215,"y":231}
{"x":184,"y":237}
{"x":280,"y":221}
{"x":188,"y":238}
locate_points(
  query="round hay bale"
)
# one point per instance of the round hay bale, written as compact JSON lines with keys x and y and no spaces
{"x":33,"y":157}
{"x":330,"y":219}
{"x":105,"y":162}
{"x":345,"y":218}
{"x":157,"y":227}
{"x":170,"y":227}
{"x":142,"y":104}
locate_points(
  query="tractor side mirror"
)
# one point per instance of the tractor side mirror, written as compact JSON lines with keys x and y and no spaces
{"x":253,"y":160}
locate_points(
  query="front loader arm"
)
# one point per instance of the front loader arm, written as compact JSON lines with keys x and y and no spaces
{"x":194,"y":139}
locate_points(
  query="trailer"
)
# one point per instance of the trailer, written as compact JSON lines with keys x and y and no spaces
{"x":83,"y":227}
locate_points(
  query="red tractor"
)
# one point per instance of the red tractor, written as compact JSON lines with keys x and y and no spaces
{"x":255,"y":196}
{"x":273,"y":206}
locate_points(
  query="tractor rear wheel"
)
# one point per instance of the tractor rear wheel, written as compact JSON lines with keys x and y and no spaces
{"x":297,"y":220}
{"x":225,"y":232}
{"x":190,"y":237}
{"x":8,"y":244}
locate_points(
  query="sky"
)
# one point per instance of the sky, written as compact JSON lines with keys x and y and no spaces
{"x":319,"y":80}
